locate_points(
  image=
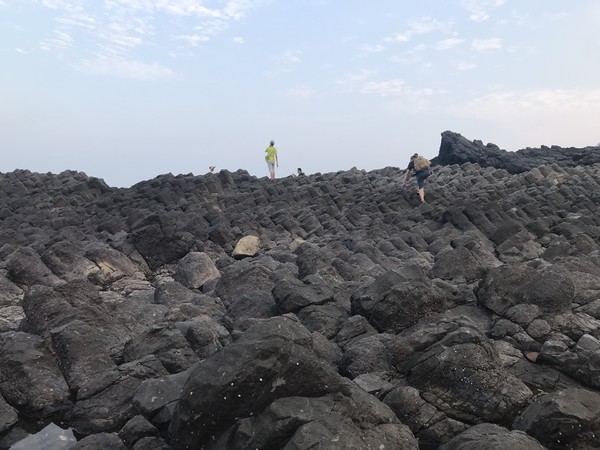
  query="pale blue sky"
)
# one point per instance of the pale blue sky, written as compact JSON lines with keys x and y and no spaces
{"x":126,"y":90}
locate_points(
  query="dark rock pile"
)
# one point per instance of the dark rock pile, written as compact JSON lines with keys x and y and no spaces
{"x":455,"y":149}
{"x":327,"y":311}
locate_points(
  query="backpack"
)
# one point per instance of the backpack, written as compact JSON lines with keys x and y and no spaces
{"x":421,"y":163}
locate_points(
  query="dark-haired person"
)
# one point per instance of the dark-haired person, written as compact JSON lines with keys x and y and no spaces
{"x":272,"y":159}
{"x":420,"y":175}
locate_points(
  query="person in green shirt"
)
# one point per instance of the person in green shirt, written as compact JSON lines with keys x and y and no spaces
{"x":271,"y":159}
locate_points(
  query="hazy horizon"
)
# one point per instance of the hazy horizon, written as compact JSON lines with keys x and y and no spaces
{"x":126,"y":90}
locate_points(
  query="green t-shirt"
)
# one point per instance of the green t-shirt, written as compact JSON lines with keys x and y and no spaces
{"x":271,"y":153}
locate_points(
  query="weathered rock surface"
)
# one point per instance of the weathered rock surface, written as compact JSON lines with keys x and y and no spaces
{"x":357,"y":318}
{"x":455,"y":149}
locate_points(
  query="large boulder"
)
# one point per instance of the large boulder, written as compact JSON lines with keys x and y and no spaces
{"x":272,"y":361}
{"x":242,"y":277}
{"x":8,"y":415}
{"x":568,"y":418}
{"x":465,"y":263}
{"x":246,"y":246}
{"x":159,"y":239}
{"x":509,"y":285}
{"x":196,"y":269}
{"x":105,"y":403}
{"x":166,"y":343}
{"x":461,"y":374}
{"x":393,"y":302}
{"x":25,"y":267}
{"x":336,"y":422}
{"x":30,"y":378}
{"x":427,"y":422}
{"x":493,"y":437}
{"x":68,"y":262}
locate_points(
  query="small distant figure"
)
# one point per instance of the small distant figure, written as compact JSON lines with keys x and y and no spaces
{"x":419,"y":166}
{"x":300,"y":173}
{"x":211,"y":169}
{"x":272,"y":159}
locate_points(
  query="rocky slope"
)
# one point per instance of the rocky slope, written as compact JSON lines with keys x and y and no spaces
{"x":328,"y":311}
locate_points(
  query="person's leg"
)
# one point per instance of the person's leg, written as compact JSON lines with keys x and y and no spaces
{"x":421,"y":182}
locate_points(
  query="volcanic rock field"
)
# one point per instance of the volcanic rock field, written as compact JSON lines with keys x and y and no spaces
{"x":327,"y":311}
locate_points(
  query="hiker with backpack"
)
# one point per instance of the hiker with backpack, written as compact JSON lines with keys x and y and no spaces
{"x":419,"y":166}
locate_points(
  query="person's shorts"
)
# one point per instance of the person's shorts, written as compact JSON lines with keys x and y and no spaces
{"x":271,"y":164}
{"x":421,"y":177}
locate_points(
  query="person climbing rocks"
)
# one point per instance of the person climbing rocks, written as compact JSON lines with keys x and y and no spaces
{"x":272,"y":159}
{"x":419,"y":166}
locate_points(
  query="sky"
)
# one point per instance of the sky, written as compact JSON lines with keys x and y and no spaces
{"x":126,"y":90}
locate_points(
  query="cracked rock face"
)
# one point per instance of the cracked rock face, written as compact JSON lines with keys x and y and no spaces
{"x":330,"y":310}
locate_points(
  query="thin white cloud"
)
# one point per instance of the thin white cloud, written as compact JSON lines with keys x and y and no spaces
{"x":555,"y":16}
{"x":383,"y":88}
{"x":482,"y":45}
{"x":122,"y":68}
{"x":464,"y":65}
{"x":20,"y":50}
{"x":301,"y":93}
{"x":350,"y":81}
{"x":366,"y":48}
{"x":447,"y":44}
{"x":239,"y":40}
{"x":60,"y":41}
{"x":422,"y":26}
{"x":124,"y":27}
{"x":514,"y":104}
{"x":192,"y":39}
{"x":558,"y":116}
{"x":210,"y":28}
{"x":399,"y":95}
{"x":413,"y":56}
{"x":480,"y":10}
{"x":292,"y":57}
{"x":238,"y":9}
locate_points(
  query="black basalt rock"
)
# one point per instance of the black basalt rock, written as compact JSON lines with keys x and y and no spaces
{"x":366,"y":320}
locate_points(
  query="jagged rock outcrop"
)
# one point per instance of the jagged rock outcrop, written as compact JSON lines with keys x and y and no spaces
{"x":456,"y":149}
{"x":359,"y":318}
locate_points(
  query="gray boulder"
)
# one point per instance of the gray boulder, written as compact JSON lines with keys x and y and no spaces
{"x":509,"y":285}
{"x":493,"y":437}
{"x":354,"y":420}
{"x":159,"y":239}
{"x":105,"y":404}
{"x":246,"y":246}
{"x":167,"y":343}
{"x":461,"y":375}
{"x":568,"y":418}
{"x":135,"y":429}
{"x":393,"y":303}
{"x":25,"y":267}
{"x":272,"y":361}
{"x":100,"y":441}
{"x":68,"y":262}
{"x":8,"y":415}
{"x":431,"y":426}
{"x":30,"y":379}
{"x":196,"y":269}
